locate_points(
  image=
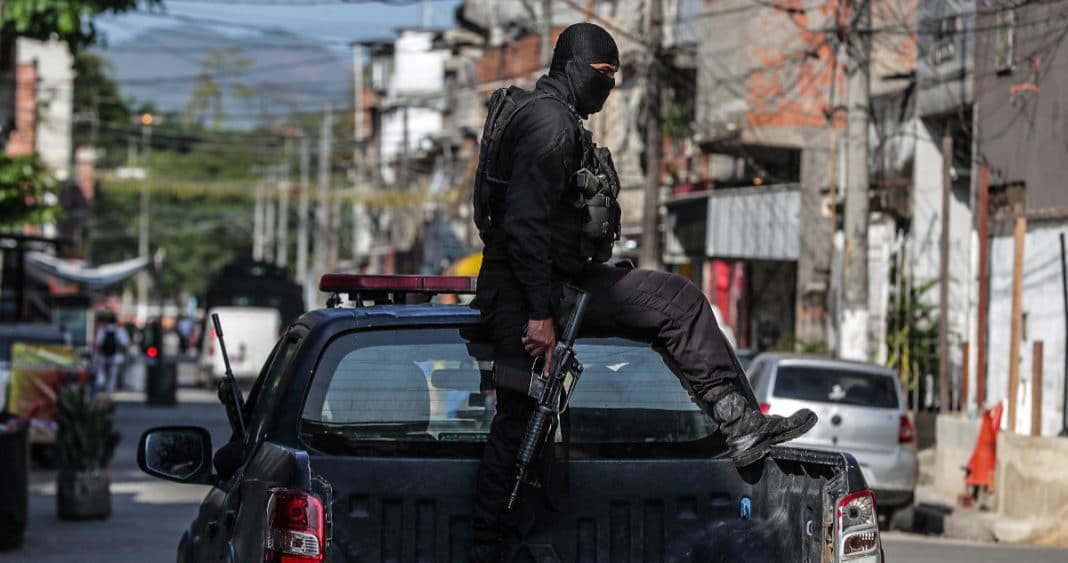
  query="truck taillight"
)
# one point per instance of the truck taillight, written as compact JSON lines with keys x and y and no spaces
{"x":765,"y":408}
{"x":295,"y":527}
{"x":906,"y":433}
{"x":858,"y":528}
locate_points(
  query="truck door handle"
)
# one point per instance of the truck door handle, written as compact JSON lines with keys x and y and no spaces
{"x":213,"y":529}
{"x":836,"y":420}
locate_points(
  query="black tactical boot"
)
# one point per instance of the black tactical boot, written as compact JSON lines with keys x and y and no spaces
{"x":748,"y":432}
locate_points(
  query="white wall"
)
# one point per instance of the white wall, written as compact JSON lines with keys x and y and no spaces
{"x":423,"y":123}
{"x":417,"y":69}
{"x":55,"y":91}
{"x":416,"y":81}
{"x":1043,"y":307}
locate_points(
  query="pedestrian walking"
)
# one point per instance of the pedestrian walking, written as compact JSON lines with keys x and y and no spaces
{"x":109,"y":351}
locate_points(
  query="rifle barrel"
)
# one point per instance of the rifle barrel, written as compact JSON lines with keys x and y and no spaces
{"x":571,"y":331}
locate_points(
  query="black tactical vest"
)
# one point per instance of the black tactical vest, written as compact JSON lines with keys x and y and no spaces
{"x":596,"y":183}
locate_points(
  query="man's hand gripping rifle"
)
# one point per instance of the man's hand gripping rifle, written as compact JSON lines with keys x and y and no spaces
{"x":548,"y":388}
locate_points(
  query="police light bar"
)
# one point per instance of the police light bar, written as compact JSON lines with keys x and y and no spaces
{"x":350,"y":283}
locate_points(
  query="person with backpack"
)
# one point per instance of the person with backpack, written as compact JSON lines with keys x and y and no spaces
{"x":109,"y":350}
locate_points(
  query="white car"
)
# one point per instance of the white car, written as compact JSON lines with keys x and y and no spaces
{"x":861,"y":410}
{"x":250,"y":334}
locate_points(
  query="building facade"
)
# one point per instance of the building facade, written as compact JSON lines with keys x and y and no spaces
{"x":1020,"y":134}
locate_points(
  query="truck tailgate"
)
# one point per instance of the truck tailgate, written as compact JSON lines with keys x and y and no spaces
{"x":638,"y":510}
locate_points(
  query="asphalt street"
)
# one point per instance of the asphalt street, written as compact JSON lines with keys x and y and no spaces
{"x":148,"y":515}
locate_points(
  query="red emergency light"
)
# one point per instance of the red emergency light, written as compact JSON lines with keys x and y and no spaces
{"x":353,"y":283}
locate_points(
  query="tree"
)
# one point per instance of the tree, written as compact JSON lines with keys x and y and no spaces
{"x":208,"y":94}
{"x":101,"y":114}
{"x":70,"y":20}
{"x":26,"y":192}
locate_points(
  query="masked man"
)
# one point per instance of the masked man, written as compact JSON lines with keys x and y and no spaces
{"x":546,"y":207}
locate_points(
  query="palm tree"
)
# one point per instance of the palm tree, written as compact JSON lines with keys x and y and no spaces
{"x":207,"y":98}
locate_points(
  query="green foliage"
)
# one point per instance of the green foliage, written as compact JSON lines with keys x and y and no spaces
{"x":96,"y":94}
{"x":678,"y":120}
{"x":95,"y":90}
{"x":26,"y":192}
{"x":198,"y":232}
{"x":70,"y":20}
{"x":912,"y":331}
{"x":86,"y":439}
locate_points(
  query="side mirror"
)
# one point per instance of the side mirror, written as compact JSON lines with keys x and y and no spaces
{"x":176,"y":453}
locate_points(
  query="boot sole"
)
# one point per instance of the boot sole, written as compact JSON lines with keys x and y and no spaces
{"x":744,"y":454}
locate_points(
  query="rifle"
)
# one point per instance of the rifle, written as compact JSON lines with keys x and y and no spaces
{"x":548,"y":388}
{"x":229,"y":394}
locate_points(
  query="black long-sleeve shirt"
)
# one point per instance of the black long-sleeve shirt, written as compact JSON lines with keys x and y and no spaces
{"x":542,"y":227}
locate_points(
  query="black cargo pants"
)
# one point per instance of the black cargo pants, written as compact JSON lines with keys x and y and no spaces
{"x":665,"y":309}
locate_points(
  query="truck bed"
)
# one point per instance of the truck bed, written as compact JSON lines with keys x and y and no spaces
{"x":656,"y":510}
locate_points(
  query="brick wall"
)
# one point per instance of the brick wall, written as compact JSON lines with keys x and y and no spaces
{"x":519,"y":58}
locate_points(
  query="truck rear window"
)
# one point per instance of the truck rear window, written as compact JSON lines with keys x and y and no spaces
{"x":432,"y":385}
{"x":829,"y":385}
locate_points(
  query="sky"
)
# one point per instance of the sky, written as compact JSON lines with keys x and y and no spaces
{"x":335,"y":23}
{"x":155,"y":56}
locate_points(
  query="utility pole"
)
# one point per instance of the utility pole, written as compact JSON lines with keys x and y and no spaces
{"x":1015,"y":325}
{"x":402,"y":173}
{"x":1064,"y":296}
{"x":302,"y":209}
{"x":944,"y":382}
{"x":257,"y":224}
{"x":269,"y":176}
{"x":984,"y":287}
{"x":854,"y":324}
{"x":282,"y":253}
{"x":142,"y":227}
{"x":358,"y":213}
{"x":546,"y":32}
{"x":650,"y":243}
{"x":322,"y":209}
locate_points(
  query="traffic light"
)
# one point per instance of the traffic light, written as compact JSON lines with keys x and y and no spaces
{"x":152,"y":340}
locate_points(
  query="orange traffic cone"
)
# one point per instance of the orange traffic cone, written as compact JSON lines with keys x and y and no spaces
{"x":984,"y":458}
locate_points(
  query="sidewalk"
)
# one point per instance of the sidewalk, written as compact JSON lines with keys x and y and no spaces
{"x":148,"y":515}
{"x":938,"y":513}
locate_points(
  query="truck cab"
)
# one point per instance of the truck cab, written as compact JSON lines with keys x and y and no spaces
{"x":361,"y":437}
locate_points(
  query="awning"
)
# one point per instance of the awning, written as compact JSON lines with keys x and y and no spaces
{"x":43,"y":267}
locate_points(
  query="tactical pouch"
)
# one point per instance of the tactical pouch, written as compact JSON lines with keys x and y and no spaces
{"x":598,"y":185}
{"x":601,"y":228}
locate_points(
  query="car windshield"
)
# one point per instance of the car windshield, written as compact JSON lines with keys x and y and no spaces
{"x":832,"y":385}
{"x":432,"y":385}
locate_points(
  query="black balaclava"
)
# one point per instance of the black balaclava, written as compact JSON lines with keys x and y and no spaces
{"x":579,"y":46}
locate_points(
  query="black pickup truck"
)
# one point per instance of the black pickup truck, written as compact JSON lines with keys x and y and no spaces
{"x":365,"y":427}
